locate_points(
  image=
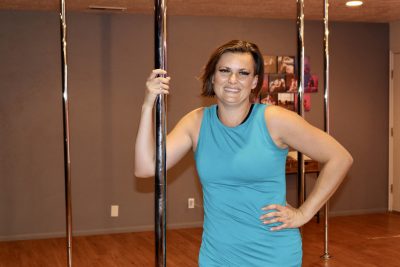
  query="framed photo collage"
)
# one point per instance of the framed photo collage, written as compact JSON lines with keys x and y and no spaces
{"x":280,"y":82}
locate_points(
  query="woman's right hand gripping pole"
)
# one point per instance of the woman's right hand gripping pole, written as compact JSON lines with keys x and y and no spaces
{"x":144,"y":148}
{"x":156,"y":84}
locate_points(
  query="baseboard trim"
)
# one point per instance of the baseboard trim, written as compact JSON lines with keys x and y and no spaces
{"x":144,"y":228}
{"x":357,"y":212}
{"x":140,"y":228}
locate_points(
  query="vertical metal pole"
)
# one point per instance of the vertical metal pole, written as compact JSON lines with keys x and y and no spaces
{"x":67,"y":159}
{"x":326,"y":255}
{"x":300,"y":87}
{"x":160,"y":24}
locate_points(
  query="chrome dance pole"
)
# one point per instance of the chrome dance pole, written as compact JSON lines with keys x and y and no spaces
{"x":160,"y":31}
{"x":300,"y":93}
{"x":67,"y":158}
{"x":326,"y":255}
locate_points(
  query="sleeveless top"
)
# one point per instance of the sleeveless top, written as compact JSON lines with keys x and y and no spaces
{"x":241,"y":171}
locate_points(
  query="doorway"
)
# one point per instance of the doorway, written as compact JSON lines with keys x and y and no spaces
{"x":394,"y":133}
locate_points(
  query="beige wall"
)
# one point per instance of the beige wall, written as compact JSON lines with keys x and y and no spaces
{"x":110,"y":57}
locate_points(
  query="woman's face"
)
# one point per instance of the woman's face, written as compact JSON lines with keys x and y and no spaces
{"x":234,"y":77}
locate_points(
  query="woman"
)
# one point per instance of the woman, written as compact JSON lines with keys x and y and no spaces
{"x":240,"y":151}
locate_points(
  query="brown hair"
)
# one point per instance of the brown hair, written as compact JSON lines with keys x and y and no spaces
{"x":234,"y":46}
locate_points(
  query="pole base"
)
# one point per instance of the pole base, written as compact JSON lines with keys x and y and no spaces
{"x":326,"y":256}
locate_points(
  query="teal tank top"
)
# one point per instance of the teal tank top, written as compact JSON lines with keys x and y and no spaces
{"x":242,"y":170}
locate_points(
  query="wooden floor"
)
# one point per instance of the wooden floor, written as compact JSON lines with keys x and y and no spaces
{"x":365,"y":240}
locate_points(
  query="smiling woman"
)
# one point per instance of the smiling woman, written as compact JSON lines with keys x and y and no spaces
{"x":240,"y":152}
{"x":110,"y":59}
{"x":233,"y":81}
{"x":237,"y":47}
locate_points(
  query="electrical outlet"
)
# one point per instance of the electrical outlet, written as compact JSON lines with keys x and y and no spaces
{"x":114,"y":210}
{"x":191,"y":203}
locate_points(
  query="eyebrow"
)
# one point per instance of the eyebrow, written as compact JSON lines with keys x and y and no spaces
{"x":241,"y":69}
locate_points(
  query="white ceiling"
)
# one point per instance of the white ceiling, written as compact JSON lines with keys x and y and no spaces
{"x":371,"y":11}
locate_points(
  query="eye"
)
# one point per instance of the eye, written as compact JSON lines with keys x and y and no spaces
{"x":224,"y":70}
{"x":244,"y":73}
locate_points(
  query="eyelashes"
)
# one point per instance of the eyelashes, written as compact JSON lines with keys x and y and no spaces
{"x":226,"y":71}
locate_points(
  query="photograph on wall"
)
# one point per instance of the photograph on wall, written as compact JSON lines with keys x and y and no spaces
{"x":264,"y":89}
{"x":265,"y":86}
{"x":310,"y":80}
{"x":310,"y":83}
{"x":286,"y":100}
{"x":271,"y":99}
{"x":280,"y":83}
{"x":277,"y":83}
{"x":291,"y":83}
{"x":286,"y":65}
{"x":306,"y":102}
{"x":270,"y":64}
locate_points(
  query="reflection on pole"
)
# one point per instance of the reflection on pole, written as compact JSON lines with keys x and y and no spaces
{"x":300,"y":94}
{"x":67,"y":159}
{"x":326,"y":113}
{"x":160,"y":121}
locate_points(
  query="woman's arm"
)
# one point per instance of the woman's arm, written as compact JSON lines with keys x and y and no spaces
{"x":289,"y":129}
{"x":178,"y":142}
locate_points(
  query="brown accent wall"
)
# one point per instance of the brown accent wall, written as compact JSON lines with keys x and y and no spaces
{"x":110,"y":56}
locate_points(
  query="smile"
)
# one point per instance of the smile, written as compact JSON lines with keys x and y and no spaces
{"x":231,"y":90}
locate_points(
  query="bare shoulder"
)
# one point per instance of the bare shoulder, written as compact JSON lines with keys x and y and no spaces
{"x":190,"y":125}
{"x":276,"y":115}
{"x":193,"y":118}
{"x":283,"y":123}
{"x":288,"y":129}
{"x":196,"y":113}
